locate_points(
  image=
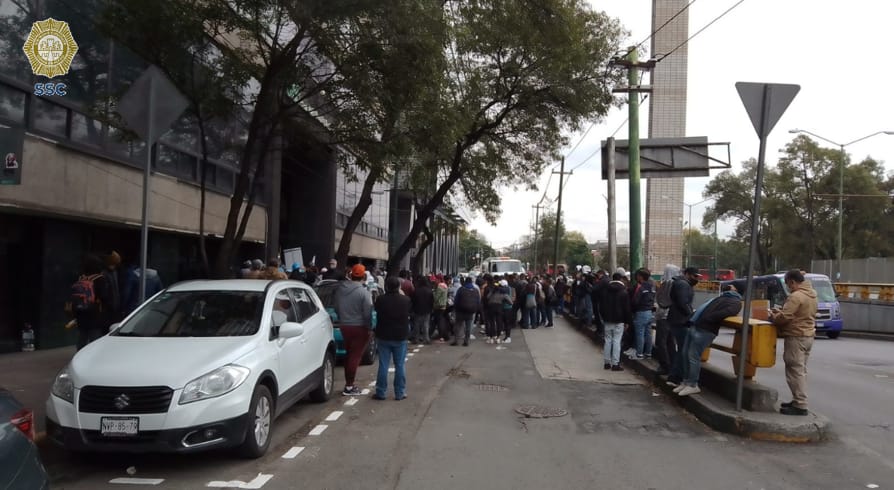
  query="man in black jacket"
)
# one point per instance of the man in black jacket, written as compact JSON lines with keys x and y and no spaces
{"x":678,"y":315}
{"x":615,"y":308}
{"x":423,"y":306}
{"x":705,"y":326}
{"x":392,"y":310}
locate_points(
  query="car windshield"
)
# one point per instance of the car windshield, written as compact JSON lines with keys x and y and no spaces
{"x":197,"y":314}
{"x":825,"y":293}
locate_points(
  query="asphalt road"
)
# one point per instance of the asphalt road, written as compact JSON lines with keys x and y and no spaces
{"x":850,"y":381}
{"x":458,"y":429}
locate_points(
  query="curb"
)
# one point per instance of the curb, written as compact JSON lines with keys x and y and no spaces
{"x":868,"y":335}
{"x":754,"y":425}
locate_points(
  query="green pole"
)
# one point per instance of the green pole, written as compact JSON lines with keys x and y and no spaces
{"x":714,"y":272}
{"x":636,"y":235}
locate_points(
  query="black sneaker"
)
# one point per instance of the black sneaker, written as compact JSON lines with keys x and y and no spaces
{"x":786,"y":404}
{"x":792,"y":410}
{"x":606,"y":366}
{"x":454,"y":343}
{"x":617,"y":367}
{"x":548,"y":325}
{"x":351,"y":391}
{"x":378,"y":397}
{"x":466,"y":343}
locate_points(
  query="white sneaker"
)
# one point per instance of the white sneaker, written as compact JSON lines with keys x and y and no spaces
{"x":689,"y":390}
{"x":631,"y":352}
{"x":471,"y":337}
{"x":498,"y":340}
{"x":490,"y":340}
{"x":679,"y":388}
{"x":671,"y":383}
{"x":507,"y":340}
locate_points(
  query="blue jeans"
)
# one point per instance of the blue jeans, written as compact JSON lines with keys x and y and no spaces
{"x":560,"y":308}
{"x":586,"y":311}
{"x":388,"y":350}
{"x":696,"y":342}
{"x":532,"y":317}
{"x":642,"y":323}
{"x":680,"y":334}
{"x":549,"y":314}
{"x":612,"y":348}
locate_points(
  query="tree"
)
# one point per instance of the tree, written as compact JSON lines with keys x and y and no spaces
{"x":520,"y":73}
{"x":577,"y":250}
{"x":264,"y":55}
{"x":472,"y":243}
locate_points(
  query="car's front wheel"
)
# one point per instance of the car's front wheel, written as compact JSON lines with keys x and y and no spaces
{"x":260,"y":412}
{"x":324,"y":390}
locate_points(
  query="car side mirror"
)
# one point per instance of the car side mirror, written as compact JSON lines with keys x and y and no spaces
{"x":290,"y":330}
{"x":114,"y":326}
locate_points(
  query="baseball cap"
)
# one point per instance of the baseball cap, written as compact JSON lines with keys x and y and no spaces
{"x":692,"y":271}
{"x":358,"y":271}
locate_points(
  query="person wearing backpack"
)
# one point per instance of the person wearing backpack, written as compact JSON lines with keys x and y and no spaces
{"x":665,"y":347}
{"x":89,"y":294}
{"x":466,"y":304}
{"x":439,"y":316}
{"x":495,"y":298}
{"x":551,"y":302}
{"x":643,"y":306}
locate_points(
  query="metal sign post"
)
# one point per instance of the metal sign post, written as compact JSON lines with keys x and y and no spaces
{"x":149,"y":107}
{"x":765,"y":104}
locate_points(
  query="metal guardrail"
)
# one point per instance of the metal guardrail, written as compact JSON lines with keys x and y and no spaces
{"x":865,"y":291}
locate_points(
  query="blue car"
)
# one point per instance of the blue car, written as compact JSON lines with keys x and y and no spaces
{"x":20,"y":465}
{"x":326,"y":291}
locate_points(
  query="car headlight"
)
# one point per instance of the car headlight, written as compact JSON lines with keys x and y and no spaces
{"x":216,"y":383}
{"x":63,"y":386}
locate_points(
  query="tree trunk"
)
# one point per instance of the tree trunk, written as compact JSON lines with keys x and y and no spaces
{"x":363,"y":204}
{"x":203,"y":173}
{"x":426,"y":212}
{"x":429,"y":239}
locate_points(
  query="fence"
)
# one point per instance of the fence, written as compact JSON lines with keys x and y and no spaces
{"x":877,"y":270}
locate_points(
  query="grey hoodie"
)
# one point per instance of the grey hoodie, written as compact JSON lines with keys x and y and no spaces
{"x":353,"y":304}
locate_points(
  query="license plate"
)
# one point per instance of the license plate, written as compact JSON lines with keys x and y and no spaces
{"x":119,"y":426}
{"x":820,"y":324}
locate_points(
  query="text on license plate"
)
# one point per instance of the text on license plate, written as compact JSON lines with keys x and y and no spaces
{"x":119,"y":426}
{"x":820,"y":324}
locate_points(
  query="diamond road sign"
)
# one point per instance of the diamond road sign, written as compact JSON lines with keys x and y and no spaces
{"x":167,"y":104}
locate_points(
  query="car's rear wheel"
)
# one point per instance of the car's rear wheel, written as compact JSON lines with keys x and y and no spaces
{"x":260,"y":413}
{"x":371,"y":353}
{"x":833,"y":334}
{"x":324,"y":390}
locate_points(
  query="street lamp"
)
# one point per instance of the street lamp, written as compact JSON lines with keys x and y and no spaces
{"x":841,"y":146}
{"x":689,"y":242}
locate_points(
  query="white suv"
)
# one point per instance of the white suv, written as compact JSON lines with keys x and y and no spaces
{"x":202,"y":364}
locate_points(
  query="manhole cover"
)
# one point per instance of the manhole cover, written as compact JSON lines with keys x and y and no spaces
{"x":489,"y":387}
{"x":539,"y":412}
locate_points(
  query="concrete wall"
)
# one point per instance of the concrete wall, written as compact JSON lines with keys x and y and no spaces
{"x":363,"y":246}
{"x":64,"y":182}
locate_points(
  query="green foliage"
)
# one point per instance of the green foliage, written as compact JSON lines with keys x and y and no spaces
{"x":470,"y":244}
{"x":799,"y":211}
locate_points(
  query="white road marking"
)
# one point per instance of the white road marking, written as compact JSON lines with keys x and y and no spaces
{"x":334,"y":416}
{"x":419,"y":347}
{"x":880,"y":376}
{"x":258,"y":482}
{"x":872,"y":485}
{"x":365,"y":391}
{"x":292,"y":453}
{"x":351,"y":402}
{"x":137,"y":481}
{"x":317,"y":430}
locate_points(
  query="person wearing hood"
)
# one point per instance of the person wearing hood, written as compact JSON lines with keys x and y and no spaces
{"x":665,"y":347}
{"x":354,"y":305}
{"x":131,"y":294}
{"x":615,"y":308}
{"x":273,"y":272}
{"x":705,"y":325}
{"x":797,"y":326}
{"x":681,"y":296}
{"x":508,"y":310}
{"x":467,"y":302}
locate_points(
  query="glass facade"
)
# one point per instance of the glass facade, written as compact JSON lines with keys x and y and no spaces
{"x":101,"y":71}
{"x":347,"y":194}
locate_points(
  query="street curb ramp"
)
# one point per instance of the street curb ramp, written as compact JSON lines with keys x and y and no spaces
{"x":707,"y":407}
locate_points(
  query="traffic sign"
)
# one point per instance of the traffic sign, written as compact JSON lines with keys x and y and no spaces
{"x":765,"y":103}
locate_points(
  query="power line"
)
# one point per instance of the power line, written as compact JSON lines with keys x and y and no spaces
{"x":709,"y":24}
{"x":656,"y":31}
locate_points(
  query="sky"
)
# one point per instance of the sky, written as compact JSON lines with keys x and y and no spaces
{"x":834,"y":50}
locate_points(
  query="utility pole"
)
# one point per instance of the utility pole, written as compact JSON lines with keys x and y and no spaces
{"x":612,"y":218}
{"x":536,"y":231}
{"x":561,"y":173}
{"x":633,"y":89}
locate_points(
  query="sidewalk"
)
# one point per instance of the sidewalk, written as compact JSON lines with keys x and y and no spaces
{"x":719,"y":413}
{"x":29,"y":376}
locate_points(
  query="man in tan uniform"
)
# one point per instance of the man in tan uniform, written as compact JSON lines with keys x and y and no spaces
{"x":797,"y":324}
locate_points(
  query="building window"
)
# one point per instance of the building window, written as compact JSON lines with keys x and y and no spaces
{"x":12,"y":105}
{"x":49,"y":118}
{"x":85,"y":130}
{"x":175,"y":163}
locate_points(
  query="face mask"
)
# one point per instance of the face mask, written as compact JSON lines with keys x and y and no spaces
{"x":692,"y":281}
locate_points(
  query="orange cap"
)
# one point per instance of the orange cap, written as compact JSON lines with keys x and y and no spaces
{"x":358,"y":271}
